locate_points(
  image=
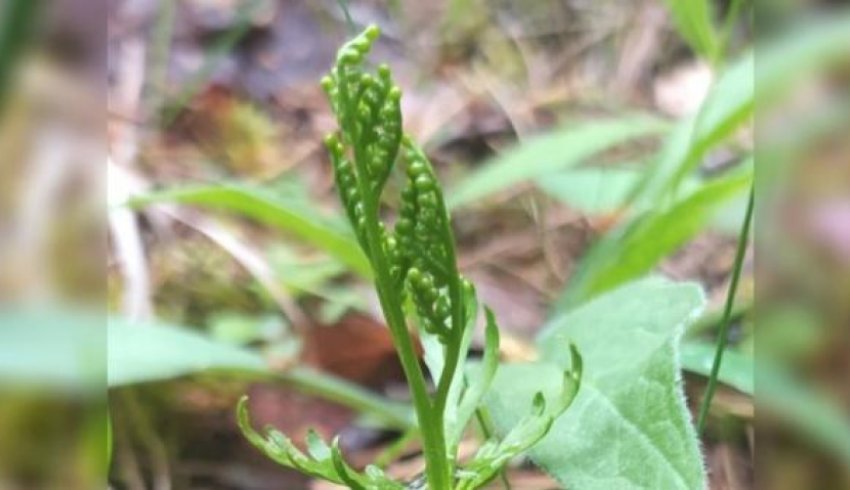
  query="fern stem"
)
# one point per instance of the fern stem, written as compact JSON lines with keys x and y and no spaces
{"x":722,"y":335}
{"x":458,"y":320}
{"x":433,"y":439}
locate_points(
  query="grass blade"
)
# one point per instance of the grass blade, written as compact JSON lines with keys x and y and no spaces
{"x":602,"y":188}
{"x":150,"y":352}
{"x":743,"y":239}
{"x":737,"y":370}
{"x":286,"y":214}
{"x":729,"y":105}
{"x":593,"y":190}
{"x":693,"y":19}
{"x":550,"y":152}
{"x":634,"y":248}
{"x":732,"y":100}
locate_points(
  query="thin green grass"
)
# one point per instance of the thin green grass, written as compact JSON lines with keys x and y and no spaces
{"x":723,"y":333}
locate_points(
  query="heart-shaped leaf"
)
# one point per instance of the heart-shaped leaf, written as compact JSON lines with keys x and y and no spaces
{"x":629,"y":427}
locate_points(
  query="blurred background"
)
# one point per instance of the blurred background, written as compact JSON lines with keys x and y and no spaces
{"x":170,"y":237}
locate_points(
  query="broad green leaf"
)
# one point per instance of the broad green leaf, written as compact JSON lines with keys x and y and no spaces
{"x":633,"y":249}
{"x":291,"y":215}
{"x":737,"y":370}
{"x":629,"y":427}
{"x":544,"y":154}
{"x":149,"y":352}
{"x":694,"y":21}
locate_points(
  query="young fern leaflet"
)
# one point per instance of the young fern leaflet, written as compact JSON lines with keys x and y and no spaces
{"x":416,"y":277}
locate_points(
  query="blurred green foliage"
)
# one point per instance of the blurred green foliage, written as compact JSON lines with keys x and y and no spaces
{"x":694,"y":20}
{"x":18,"y":23}
{"x":663,"y":203}
{"x":292,"y":215}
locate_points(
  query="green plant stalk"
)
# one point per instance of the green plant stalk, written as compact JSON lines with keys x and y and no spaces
{"x":722,"y":335}
{"x":453,"y":349}
{"x":438,"y":467}
{"x":452,"y":353}
{"x":430,"y":419}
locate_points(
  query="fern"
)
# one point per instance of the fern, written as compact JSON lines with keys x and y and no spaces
{"x":416,"y":277}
